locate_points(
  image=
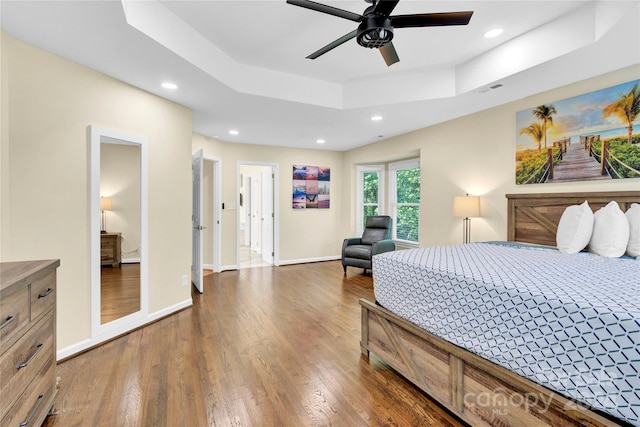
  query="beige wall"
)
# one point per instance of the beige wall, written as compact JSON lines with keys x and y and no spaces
{"x":48,"y":102}
{"x":474,"y":154}
{"x":304,"y":234}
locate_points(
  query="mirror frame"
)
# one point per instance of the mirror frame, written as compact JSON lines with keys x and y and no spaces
{"x":97,"y":136}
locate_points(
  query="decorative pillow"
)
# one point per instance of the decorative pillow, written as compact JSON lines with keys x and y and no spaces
{"x":610,"y":232}
{"x":633,"y":216}
{"x":575,"y":228}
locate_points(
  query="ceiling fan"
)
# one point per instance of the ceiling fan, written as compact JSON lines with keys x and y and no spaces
{"x":377,"y":25}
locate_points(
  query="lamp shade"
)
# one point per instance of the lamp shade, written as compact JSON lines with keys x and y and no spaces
{"x":105,"y":203}
{"x":466,"y":206}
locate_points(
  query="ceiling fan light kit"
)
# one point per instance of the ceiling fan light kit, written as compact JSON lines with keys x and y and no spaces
{"x":377,"y":25}
{"x":374,"y":33}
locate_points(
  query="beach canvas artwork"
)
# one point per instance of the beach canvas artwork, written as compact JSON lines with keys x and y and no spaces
{"x":591,"y":136}
{"x":311,"y":187}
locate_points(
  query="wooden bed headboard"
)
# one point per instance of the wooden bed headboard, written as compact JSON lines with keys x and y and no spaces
{"x":534,"y":217}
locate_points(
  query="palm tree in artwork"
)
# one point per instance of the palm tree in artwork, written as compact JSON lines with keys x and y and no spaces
{"x":535,"y":131}
{"x":545,"y":114}
{"x":627,"y":108}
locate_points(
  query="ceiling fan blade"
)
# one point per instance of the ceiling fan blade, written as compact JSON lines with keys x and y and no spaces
{"x":385,"y":7}
{"x":332,"y":45}
{"x":431,"y":19}
{"x":327,"y":9}
{"x":389,"y":54}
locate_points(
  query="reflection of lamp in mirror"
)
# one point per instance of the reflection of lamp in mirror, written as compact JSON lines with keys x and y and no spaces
{"x":105,"y":205}
{"x":466,"y":207}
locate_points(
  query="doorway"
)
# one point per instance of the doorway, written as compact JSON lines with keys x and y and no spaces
{"x":257,"y":216}
{"x":205,"y":217}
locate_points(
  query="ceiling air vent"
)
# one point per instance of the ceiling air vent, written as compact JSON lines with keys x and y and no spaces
{"x":487,"y":89}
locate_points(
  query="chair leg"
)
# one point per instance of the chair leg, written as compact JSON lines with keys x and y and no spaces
{"x":345,"y":269}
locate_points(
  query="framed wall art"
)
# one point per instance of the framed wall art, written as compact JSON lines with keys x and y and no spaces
{"x":311,"y":187}
{"x":593,"y":136}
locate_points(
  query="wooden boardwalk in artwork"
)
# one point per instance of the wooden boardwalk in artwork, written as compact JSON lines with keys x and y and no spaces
{"x":577,"y":165}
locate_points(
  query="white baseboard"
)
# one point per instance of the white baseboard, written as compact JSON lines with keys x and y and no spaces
{"x":130,"y":260}
{"x":228,"y":267}
{"x":207,"y":266}
{"x":307,"y":260}
{"x":92,"y":342}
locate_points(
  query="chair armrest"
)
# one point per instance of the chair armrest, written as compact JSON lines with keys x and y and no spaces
{"x":386,"y":245}
{"x":352,"y":241}
{"x":348,"y":242}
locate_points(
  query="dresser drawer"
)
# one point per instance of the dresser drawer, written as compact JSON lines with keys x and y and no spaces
{"x":23,"y":361}
{"x":14,"y":314}
{"x":43,"y":295}
{"x":106,"y":254}
{"x":27,"y":341}
{"x":35,"y":403}
{"x":110,"y":249}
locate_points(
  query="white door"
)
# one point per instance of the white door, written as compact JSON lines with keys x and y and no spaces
{"x":267,"y":214}
{"x":247,"y":210}
{"x":196,"y":215}
{"x":255,"y":213}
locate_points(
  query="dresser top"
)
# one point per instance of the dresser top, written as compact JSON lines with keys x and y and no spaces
{"x":12,"y":273}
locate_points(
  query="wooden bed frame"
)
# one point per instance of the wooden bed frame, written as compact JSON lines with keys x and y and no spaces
{"x":471,"y":387}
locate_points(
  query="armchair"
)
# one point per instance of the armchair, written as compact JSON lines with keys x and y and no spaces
{"x":376,"y":239}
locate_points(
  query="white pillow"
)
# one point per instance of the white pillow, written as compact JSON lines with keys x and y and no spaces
{"x":633,"y":216}
{"x":575,"y":228}
{"x":610,"y":231}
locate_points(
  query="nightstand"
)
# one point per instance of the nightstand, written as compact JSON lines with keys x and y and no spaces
{"x":110,"y":249}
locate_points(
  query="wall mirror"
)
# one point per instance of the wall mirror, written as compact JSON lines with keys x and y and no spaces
{"x":118,"y":205}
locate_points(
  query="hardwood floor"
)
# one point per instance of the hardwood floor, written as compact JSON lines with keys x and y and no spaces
{"x":119,"y":291}
{"x":270,"y":346}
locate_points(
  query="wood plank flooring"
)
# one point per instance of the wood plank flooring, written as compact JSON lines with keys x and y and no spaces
{"x":270,"y":346}
{"x":119,"y":291}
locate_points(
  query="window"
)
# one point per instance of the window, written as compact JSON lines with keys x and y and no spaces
{"x":404,"y":192}
{"x":370,"y":193}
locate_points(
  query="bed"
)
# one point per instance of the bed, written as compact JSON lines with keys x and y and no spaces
{"x":490,"y":378}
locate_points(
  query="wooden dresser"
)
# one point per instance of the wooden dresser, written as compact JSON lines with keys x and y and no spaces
{"x":110,"y":252}
{"x":27,"y":341}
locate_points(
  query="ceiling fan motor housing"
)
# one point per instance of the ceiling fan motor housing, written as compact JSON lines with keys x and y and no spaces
{"x":375,"y":32}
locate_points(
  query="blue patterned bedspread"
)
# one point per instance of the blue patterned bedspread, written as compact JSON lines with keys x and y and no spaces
{"x":568,"y":322}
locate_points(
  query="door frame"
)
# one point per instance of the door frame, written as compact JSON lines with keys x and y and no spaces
{"x":216,"y":211}
{"x":276,"y":207}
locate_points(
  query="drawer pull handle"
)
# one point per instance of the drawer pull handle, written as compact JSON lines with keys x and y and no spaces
{"x":8,"y":320}
{"x":33,"y":411}
{"x":35,"y":353}
{"x":49,"y":290}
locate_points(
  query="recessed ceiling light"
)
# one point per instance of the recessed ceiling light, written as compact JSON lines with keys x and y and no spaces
{"x":233,"y":132}
{"x":493,"y":33}
{"x":320,"y":141}
{"x":376,"y":118}
{"x":169,"y":85}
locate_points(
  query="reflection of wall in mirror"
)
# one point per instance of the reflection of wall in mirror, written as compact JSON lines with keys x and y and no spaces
{"x":120,"y":180}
